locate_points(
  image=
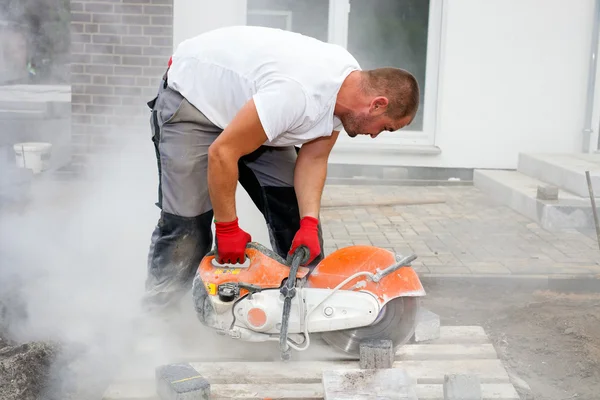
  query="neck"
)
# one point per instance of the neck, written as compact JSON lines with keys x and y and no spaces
{"x":350,"y":96}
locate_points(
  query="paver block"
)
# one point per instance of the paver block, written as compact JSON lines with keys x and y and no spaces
{"x":376,"y":354}
{"x":371,"y":384}
{"x":547,"y":192}
{"x":427,"y":326}
{"x":462,"y":387}
{"x":181,"y":382}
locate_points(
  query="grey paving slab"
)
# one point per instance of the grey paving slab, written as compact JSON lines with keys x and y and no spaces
{"x":464,"y":232}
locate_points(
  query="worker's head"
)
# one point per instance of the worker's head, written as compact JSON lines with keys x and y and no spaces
{"x":383,"y":99}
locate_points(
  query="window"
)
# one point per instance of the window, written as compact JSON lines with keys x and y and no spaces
{"x":309,"y":17}
{"x":398,"y":33}
{"x":391,"y":33}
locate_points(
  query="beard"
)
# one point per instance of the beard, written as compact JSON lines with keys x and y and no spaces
{"x":353,"y":123}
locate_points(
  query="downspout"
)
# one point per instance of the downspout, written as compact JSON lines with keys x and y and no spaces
{"x":587,"y":130}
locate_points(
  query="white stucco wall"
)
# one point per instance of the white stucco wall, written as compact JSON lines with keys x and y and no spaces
{"x":513,"y":78}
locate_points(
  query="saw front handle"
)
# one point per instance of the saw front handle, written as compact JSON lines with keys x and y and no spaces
{"x":394,"y":267}
{"x":289,"y":291}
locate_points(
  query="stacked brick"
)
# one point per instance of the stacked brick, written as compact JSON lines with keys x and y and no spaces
{"x":119,"y":50}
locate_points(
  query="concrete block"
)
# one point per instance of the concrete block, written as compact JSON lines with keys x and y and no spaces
{"x":462,"y":387}
{"x":547,"y":192}
{"x":427,"y":326}
{"x":359,"y":384}
{"x":376,"y":354}
{"x":181,"y":382}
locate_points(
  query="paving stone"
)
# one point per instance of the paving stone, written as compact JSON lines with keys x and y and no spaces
{"x":376,"y":354}
{"x":427,"y":326}
{"x":462,"y":387}
{"x":181,"y":382}
{"x":466,"y":232}
{"x":380,"y":384}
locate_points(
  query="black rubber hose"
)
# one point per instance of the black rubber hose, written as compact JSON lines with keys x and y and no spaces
{"x":289,"y":291}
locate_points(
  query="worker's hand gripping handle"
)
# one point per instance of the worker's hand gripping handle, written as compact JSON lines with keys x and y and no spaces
{"x":289,"y":291}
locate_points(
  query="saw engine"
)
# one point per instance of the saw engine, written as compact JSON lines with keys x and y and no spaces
{"x":355,"y":293}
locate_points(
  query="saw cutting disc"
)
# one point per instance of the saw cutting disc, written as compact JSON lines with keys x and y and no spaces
{"x":395,"y":322}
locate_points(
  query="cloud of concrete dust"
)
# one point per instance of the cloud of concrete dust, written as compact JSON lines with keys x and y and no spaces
{"x":79,"y":253}
{"x":77,"y":257}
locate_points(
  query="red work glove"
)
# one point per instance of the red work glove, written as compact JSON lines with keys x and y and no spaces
{"x":231,"y":242}
{"x":308,"y":236}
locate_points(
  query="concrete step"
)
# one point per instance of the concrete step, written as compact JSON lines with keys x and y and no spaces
{"x":519,"y":192}
{"x":567,"y":171}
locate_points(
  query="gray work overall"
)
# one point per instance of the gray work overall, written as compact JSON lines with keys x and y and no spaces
{"x":181,"y":135}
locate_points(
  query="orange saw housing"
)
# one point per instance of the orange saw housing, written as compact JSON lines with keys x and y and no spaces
{"x":267,"y":272}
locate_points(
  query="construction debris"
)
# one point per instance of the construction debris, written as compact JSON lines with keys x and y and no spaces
{"x":427,"y":326}
{"x":357,"y":384}
{"x":24,"y":370}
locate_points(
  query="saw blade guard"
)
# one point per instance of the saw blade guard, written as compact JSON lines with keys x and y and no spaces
{"x":335,"y":268}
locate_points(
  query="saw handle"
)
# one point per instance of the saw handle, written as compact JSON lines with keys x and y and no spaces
{"x":394,"y":267}
{"x":289,"y":291}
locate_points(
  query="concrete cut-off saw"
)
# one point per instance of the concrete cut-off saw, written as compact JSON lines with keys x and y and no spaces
{"x":355,"y":294}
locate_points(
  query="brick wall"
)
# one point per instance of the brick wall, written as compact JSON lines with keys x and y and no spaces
{"x":120,"y":50}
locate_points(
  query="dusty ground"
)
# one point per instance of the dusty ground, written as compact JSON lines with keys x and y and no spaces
{"x":549,"y":340}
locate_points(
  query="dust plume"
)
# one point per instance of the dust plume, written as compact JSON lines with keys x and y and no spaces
{"x":73,"y":267}
{"x":77,"y":256}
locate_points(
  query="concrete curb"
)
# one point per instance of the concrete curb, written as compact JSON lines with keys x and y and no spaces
{"x":562,"y":283}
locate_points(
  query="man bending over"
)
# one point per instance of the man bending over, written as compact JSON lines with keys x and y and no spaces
{"x":234,"y":106}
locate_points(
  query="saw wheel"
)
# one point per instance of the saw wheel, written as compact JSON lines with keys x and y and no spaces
{"x":395,"y":322}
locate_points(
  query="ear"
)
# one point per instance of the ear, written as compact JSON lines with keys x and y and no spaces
{"x":379,"y":105}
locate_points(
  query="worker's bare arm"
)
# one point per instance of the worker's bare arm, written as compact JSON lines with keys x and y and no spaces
{"x":310,"y":174}
{"x":242,"y":136}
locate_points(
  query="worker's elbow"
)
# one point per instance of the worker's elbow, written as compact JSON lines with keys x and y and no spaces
{"x":220,"y":154}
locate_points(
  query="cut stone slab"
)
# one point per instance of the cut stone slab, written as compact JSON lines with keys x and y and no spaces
{"x":427,"y":326}
{"x":372,"y":384}
{"x":376,"y":354}
{"x":181,"y":382}
{"x":462,"y":387}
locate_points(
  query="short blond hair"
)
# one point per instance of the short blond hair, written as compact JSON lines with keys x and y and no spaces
{"x":398,"y":85}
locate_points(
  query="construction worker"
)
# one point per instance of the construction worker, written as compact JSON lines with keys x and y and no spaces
{"x":235,"y":105}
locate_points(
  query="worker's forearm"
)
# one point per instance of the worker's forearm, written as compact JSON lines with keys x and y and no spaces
{"x":309,"y":180}
{"x":222,"y":182}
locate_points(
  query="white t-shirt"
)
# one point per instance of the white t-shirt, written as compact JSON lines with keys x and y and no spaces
{"x":293,"y":79}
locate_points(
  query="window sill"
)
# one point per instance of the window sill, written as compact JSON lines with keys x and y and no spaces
{"x":385,"y":149}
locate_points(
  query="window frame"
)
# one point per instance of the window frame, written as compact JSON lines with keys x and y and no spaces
{"x":274,"y":13}
{"x":338,"y":33}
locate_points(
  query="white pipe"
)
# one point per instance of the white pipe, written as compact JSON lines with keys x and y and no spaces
{"x":587,"y":130}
